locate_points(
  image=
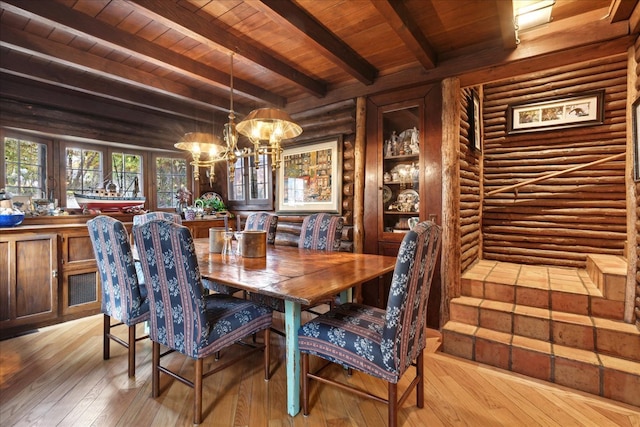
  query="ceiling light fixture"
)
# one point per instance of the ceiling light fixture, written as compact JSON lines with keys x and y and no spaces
{"x":531,"y":13}
{"x":198,"y":143}
{"x":266,"y":128}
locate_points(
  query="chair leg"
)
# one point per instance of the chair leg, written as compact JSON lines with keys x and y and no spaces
{"x":305,"y":384}
{"x":132,"y":351}
{"x":267,"y":354}
{"x":393,"y":404}
{"x":106,"y":330}
{"x":197,"y":385}
{"x":155,"y":370}
{"x":420,"y":384}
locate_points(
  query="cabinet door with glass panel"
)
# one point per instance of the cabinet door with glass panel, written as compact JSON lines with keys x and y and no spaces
{"x":400,"y":135}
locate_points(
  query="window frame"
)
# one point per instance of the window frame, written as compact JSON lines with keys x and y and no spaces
{"x":249,"y":204}
{"x":152,"y":198}
{"x":49,"y":163}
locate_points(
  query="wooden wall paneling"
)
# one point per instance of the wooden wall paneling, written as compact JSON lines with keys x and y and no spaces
{"x":634,"y":193}
{"x":561,"y":220}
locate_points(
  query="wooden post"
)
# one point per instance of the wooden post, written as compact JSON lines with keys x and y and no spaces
{"x":358,"y":193}
{"x":450,"y":255}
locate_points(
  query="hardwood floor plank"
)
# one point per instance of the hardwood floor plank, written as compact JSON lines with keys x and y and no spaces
{"x":57,"y":377}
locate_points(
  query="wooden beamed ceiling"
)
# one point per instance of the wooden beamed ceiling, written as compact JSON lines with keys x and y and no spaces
{"x":173,"y":56}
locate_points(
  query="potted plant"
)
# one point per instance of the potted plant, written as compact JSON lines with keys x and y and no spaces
{"x":211,"y":205}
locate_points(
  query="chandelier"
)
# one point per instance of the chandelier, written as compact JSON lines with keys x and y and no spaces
{"x":265,"y":128}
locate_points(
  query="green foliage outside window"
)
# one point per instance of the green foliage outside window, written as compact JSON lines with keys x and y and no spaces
{"x":25,"y":167}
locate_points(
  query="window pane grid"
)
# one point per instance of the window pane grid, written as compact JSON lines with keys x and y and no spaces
{"x":84,"y":172}
{"x":25,"y":167}
{"x":171,"y":175}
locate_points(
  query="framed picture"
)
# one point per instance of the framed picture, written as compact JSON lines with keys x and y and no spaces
{"x":474,"y":118}
{"x":555,"y":113}
{"x":310,"y":178}
{"x":636,"y":140}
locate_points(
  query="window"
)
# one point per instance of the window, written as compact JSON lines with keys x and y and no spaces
{"x":25,"y":167}
{"x":84,"y":172}
{"x":126,"y":170}
{"x":171,"y":174}
{"x":252,"y":187}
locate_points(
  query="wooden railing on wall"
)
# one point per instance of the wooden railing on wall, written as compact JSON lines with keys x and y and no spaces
{"x":560,"y":220}
{"x":556,"y":174}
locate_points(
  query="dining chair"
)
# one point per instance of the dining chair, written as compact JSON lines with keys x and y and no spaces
{"x":382,"y":343}
{"x":263,"y":221}
{"x":321,"y":231}
{"x":123,"y":297}
{"x":183,"y":318}
{"x":150,"y":216}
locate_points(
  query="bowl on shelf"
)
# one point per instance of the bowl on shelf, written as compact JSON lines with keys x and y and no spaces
{"x":11,"y":220}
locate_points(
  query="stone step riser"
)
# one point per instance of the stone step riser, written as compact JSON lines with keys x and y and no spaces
{"x":578,"y":369}
{"x":556,"y":328}
{"x":593,"y":305}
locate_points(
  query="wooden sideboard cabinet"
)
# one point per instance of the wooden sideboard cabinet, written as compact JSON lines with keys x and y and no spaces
{"x":48,"y":272}
{"x":79,"y":281}
{"x":28,"y":279}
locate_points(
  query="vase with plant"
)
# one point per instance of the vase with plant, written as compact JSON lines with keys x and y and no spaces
{"x":182,"y":197}
{"x":211,"y":205}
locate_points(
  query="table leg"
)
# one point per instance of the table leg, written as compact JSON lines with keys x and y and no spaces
{"x":292,"y":361}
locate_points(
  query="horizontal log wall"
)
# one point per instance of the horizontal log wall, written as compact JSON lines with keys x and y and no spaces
{"x":561,"y":220}
{"x":469,"y":189}
{"x":636,"y":310}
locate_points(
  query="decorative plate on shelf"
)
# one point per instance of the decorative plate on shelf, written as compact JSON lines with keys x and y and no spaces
{"x":210,"y":195}
{"x":386,"y":194}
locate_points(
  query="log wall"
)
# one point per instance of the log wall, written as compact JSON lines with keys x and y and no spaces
{"x":636,"y":312}
{"x":561,"y":220}
{"x":470,"y":178}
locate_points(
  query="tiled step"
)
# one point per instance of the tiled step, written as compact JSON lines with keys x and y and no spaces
{"x":559,"y":289}
{"x":608,"y":273}
{"x":611,"y":337}
{"x":611,"y":377}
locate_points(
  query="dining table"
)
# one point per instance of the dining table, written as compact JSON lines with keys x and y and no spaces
{"x":300,"y":277}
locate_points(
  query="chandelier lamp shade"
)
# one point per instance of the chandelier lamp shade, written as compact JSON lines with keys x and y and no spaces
{"x":265,"y":128}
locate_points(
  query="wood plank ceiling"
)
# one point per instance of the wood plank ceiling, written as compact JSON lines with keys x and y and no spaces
{"x":173,"y":56}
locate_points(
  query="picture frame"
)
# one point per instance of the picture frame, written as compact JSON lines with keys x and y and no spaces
{"x":586,"y":109}
{"x":474,"y":121}
{"x":310,"y":178}
{"x":636,"y":139}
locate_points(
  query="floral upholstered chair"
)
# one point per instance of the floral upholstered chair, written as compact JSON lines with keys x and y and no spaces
{"x":182,"y":317}
{"x":123,"y":297}
{"x":263,"y":221}
{"x":150,"y":216}
{"x":321,"y":231}
{"x":381,"y":343}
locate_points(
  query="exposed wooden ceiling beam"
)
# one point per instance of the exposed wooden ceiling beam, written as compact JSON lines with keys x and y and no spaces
{"x":17,"y":64}
{"x":82,"y":25}
{"x":62,"y":54}
{"x":212,"y":35}
{"x":287,"y":14}
{"x":507,"y":27}
{"x":399,"y":18}
{"x":621,"y":9}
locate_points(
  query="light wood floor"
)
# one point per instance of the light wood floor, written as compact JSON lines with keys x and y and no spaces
{"x":57,"y":377}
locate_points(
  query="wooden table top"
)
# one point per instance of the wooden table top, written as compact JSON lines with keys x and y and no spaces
{"x":299,"y":275}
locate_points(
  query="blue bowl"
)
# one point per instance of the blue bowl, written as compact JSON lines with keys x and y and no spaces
{"x":11,"y":220}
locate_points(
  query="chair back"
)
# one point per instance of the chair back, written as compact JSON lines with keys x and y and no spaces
{"x":122,"y":296}
{"x":150,"y":216}
{"x":321,"y":231}
{"x":404,"y":336}
{"x":263,"y":221}
{"x":170,"y":268}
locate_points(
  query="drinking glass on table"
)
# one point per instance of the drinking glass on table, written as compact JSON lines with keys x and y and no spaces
{"x":227,"y":248}
{"x":238,"y":235}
